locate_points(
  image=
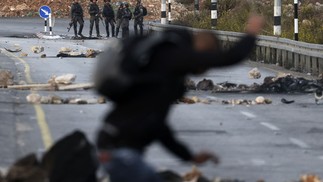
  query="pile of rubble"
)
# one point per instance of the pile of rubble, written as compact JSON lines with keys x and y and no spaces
{"x":286,"y":83}
{"x":61,"y":9}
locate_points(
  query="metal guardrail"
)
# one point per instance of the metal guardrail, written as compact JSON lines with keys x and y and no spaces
{"x":290,"y":54}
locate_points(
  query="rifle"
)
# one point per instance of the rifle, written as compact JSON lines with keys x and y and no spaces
{"x":70,"y":24}
{"x":100,"y":17}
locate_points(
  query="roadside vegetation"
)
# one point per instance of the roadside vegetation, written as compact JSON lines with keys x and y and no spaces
{"x":232,"y":15}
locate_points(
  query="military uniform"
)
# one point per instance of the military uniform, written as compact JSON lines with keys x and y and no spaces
{"x":119,"y":18}
{"x":126,"y":17}
{"x":108,"y":14}
{"x":77,"y":17}
{"x":139,"y":18}
{"x":94,"y":12}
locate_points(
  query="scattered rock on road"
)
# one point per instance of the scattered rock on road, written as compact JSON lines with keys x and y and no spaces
{"x":6,"y":78}
{"x":205,"y":84}
{"x":254,"y":73}
{"x":37,"y":49}
{"x":63,"y":79}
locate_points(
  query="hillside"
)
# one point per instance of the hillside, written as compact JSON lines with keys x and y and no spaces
{"x":232,"y":14}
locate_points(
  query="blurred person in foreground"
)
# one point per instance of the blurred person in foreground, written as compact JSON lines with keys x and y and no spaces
{"x":138,"y":117}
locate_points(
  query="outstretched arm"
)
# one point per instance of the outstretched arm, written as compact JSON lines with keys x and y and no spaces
{"x":189,"y":60}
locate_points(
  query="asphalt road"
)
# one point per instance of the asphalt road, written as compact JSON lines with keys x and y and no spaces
{"x":275,"y":142}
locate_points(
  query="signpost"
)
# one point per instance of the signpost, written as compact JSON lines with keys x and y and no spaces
{"x":46,"y":13}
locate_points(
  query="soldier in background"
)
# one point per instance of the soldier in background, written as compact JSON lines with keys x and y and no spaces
{"x":77,"y":17}
{"x":94,"y":12}
{"x":119,"y":17}
{"x":126,"y":17}
{"x":108,"y":15}
{"x":139,"y":18}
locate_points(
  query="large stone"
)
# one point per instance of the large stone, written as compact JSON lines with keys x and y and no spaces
{"x":205,"y":84}
{"x":6,"y":78}
{"x":33,"y":98}
{"x":254,"y":73}
{"x":65,"y":79}
{"x":37,"y":49}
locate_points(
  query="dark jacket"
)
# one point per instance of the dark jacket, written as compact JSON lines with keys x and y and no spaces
{"x":94,"y":9}
{"x":76,"y":10}
{"x":138,"y":12}
{"x":140,"y":119}
{"x":119,"y":13}
{"x":126,"y":14}
{"x":108,"y":11}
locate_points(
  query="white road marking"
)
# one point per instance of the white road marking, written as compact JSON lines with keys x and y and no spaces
{"x":270,"y":126}
{"x":248,"y":114}
{"x":299,"y":143}
{"x":258,"y":162}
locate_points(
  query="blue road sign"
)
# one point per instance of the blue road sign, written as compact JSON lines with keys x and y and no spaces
{"x":44,"y":11}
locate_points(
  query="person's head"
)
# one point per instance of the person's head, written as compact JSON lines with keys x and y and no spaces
{"x":75,"y":1}
{"x":138,"y":2}
{"x":126,"y":4}
{"x":93,"y":1}
{"x":205,"y":42}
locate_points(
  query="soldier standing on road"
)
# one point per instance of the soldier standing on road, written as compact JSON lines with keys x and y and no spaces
{"x":94,"y":12}
{"x":77,"y":17}
{"x":119,"y":18}
{"x":108,"y":15}
{"x":139,"y":18}
{"x":126,"y":17}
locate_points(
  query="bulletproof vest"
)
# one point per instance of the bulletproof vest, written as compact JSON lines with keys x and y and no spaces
{"x":127,"y":14}
{"x":108,"y":11}
{"x":94,"y":9}
{"x":77,"y":9}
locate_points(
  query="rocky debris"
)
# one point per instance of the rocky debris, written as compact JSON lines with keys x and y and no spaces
{"x":26,"y":169}
{"x":258,"y":100}
{"x":63,"y":79}
{"x":205,"y":84}
{"x":37,"y":49}
{"x":288,"y":84}
{"x":6,"y":78}
{"x":54,"y":99}
{"x":67,"y":52}
{"x":23,"y":54}
{"x":15,"y":48}
{"x":190,"y":84}
{"x":33,"y":98}
{"x":254,"y":73}
{"x":193,"y":100}
{"x":283,"y":83}
{"x":283,"y":100}
{"x":52,"y":86}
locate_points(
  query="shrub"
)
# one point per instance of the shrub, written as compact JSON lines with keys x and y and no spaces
{"x":233,"y":14}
